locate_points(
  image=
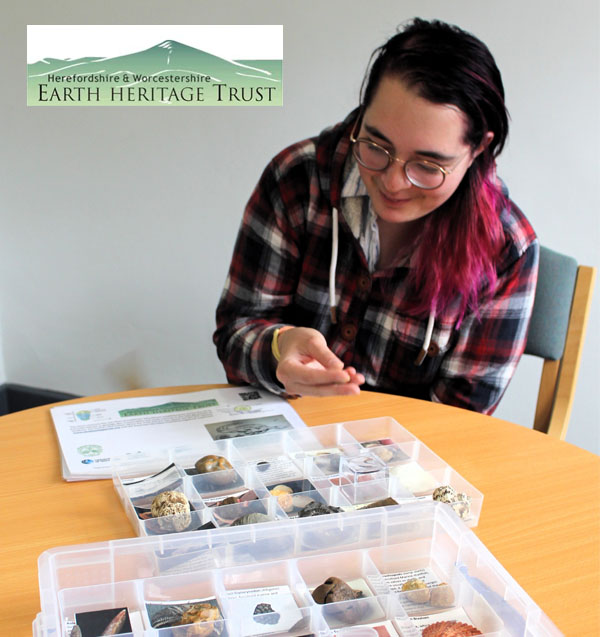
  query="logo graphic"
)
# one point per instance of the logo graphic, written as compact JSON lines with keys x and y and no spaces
{"x":89,"y":450}
{"x":83,"y":414}
{"x":171,"y":72}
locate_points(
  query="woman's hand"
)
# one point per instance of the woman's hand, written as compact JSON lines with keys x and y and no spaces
{"x":307,"y":367}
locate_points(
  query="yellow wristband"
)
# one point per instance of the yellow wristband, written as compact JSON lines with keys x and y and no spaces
{"x":275,"y":342}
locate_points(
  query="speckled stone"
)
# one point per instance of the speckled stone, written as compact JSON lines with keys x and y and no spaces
{"x":252,"y":518}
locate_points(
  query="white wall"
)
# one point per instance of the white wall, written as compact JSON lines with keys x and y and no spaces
{"x":118,"y":223}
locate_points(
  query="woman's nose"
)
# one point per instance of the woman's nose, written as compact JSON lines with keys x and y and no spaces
{"x":394,"y":178}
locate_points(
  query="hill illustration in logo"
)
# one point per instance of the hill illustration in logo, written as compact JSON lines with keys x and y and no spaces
{"x":168,"y":57}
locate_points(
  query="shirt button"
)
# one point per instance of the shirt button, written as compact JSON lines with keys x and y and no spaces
{"x":348,"y":332}
{"x":433,"y":349}
{"x":364,"y":283}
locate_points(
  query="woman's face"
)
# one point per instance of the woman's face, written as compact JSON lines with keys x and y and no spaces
{"x":411,"y":127}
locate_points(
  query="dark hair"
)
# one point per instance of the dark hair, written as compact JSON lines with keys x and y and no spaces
{"x":461,"y":241}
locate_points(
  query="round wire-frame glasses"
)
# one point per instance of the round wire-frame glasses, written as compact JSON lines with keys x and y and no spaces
{"x":421,"y":173}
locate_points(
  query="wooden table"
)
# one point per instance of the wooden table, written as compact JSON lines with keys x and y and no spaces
{"x":540,"y":517}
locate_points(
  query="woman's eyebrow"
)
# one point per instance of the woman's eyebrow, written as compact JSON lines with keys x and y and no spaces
{"x":432,"y":154}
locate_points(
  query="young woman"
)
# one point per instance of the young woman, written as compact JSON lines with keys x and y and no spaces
{"x":385,"y":253}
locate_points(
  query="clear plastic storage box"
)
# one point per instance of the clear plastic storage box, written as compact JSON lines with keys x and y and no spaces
{"x":266,"y":582}
{"x":385,"y":560}
{"x":348,"y":466}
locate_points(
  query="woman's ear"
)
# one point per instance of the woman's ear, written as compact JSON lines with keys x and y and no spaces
{"x":486,"y":141}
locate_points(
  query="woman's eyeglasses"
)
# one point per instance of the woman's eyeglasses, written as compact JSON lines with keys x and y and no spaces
{"x":420,"y":172}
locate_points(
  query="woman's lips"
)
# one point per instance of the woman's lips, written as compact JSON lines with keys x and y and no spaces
{"x":394,"y":201}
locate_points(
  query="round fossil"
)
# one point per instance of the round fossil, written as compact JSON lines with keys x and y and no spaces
{"x":208,"y":464}
{"x":442,"y":595}
{"x":460,"y":502}
{"x":169,"y":503}
{"x":286,"y":502}
{"x":175,"y":506}
{"x":450,"y":629}
{"x":219,"y":468}
{"x":445,"y":493}
{"x":416,"y":591}
{"x":280,"y":489}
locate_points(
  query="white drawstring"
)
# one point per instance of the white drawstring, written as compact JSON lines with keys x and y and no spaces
{"x":332,"y":301}
{"x":333,"y":265}
{"x":427,"y":340}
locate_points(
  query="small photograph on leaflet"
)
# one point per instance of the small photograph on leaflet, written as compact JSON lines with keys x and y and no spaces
{"x":184,"y":612}
{"x":268,"y":610}
{"x":109,"y":621}
{"x":247,"y":427}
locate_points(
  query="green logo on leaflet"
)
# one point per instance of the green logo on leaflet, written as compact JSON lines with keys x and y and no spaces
{"x":89,"y":450}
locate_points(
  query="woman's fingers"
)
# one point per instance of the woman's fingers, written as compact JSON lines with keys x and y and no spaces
{"x":309,"y":368}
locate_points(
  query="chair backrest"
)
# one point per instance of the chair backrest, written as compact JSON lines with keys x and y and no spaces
{"x":556,"y":334}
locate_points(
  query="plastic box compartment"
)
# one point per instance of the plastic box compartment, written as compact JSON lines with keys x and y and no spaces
{"x":348,"y":465}
{"x":157,"y":578}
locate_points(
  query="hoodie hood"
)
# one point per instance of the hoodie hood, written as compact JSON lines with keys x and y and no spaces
{"x":332,"y":148}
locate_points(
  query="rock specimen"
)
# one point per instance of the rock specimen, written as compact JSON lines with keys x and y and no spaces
{"x":386,"y":502}
{"x":219,"y":467}
{"x":173,"y":505}
{"x":442,"y":596}
{"x":252,"y":518}
{"x":348,"y":606}
{"x":416,"y":591}
{"x":317,"y":508}
{"x":460,"y":502}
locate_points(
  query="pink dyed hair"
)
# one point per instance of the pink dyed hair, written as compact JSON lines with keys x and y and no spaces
{"x":461,"y":241}
{"x":458,"y":248}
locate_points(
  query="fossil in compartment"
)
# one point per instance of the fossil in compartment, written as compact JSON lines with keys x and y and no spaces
{"x":286,"y":502}
{"x":219,"y":467}
{"x":333,"y":591}
{"x":317,"y":508}
{"x":386,"y":502}
{"x":195,"y":616}
{"x":265,"y":614}
{"x":450,"y":629}
{"x":280,"y":489}
{"x":229,"y":500}
{"x":460,"y":502}
{"x":445,"y":494}
{"x":300,"y":501}
{"x":442,"y":595}
{"x":175,"y":507}
{"x":252,"y":518}
{"x":416,"y":591}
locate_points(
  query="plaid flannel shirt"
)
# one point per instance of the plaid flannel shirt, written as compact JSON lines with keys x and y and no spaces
{"x":279,"y":276}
